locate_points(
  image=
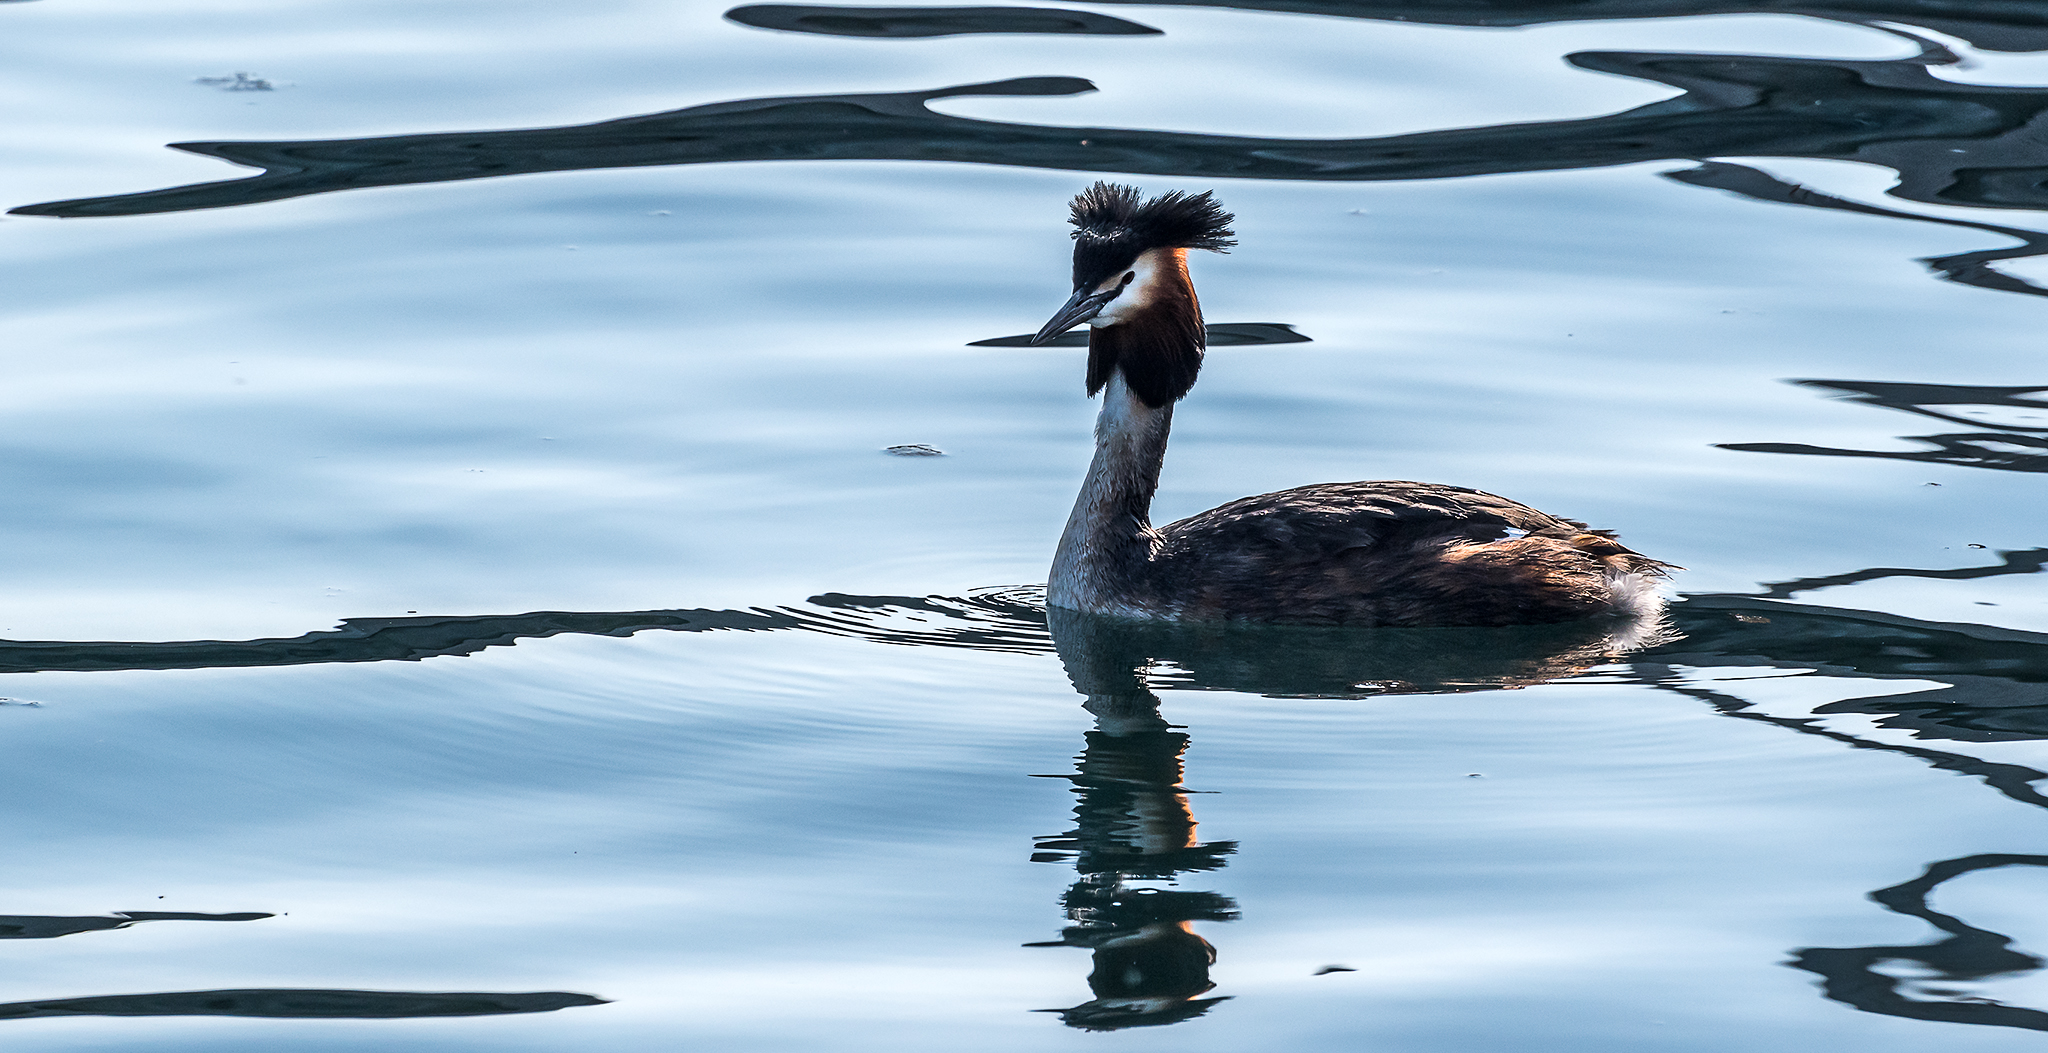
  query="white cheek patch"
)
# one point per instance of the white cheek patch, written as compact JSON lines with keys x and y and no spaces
{"x":1136,"y":296}
{"x":1118,"y":311}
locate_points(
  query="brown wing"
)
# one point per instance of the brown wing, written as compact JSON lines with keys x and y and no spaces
{"x":1386,"y":552}
{"x":1316,"y":522}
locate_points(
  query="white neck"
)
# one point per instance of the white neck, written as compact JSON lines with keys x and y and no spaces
{"x":1109,"y":538}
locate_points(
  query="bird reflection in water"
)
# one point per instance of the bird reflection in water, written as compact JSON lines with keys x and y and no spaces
{"x":1134,"y":828}
{"x":1132,"y":824}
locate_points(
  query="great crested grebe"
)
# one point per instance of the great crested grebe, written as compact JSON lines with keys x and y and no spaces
{"x":1383,"y":552}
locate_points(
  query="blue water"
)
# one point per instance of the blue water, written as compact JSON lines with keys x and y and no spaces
{"x":749,"y":812}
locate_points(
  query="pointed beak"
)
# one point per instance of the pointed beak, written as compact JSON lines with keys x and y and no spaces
{"x":1083,"y":305}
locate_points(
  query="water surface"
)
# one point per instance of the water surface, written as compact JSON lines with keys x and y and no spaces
{"x":458,"y":597}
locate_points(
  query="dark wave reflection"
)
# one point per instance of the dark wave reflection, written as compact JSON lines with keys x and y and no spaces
{"x":992,"y":620}
{"x":1967,"y":268}
{"x":1220,"y":334}
{"x":1952,"y":143}
{"x":303,"y":1003}
{"x":44,"y":927}
{"x":1134,"y":829}
{"x":1281,"y":661}
{"x":915,"y":22}
{"x":1957,"y":710}
{"x":2009,"y":445}
{"x":2020,"y":561}
{"x":1262,"y":659}
{"x":369,"y":640}
{"x":1995,"y":25}
{"x":1967,"y":956}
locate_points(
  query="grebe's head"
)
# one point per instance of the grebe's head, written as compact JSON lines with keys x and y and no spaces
{"x":1131,"y":284}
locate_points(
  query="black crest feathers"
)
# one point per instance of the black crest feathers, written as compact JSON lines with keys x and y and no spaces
{"x":1158,"y":350}
{"x":1173,"y":220}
